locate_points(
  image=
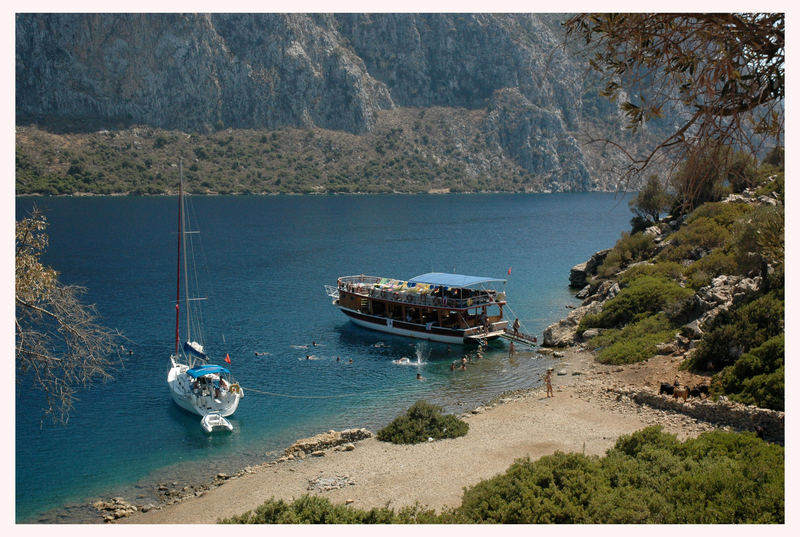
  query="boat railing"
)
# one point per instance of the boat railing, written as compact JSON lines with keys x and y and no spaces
{"x":360,"y":279}
{"x":398,"y":291}
{"x":492,"y":328}
{"x":370,"y":286}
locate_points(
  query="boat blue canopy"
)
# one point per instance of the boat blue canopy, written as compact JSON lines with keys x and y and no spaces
{"x":201,"y":370}
{"x":453,"y":280}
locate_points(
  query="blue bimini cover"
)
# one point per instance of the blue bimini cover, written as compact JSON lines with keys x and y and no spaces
{"x":453,"y":280}
{"x":201,"y":370}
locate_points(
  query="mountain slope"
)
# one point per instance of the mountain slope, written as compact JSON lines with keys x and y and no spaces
{"x":342,"y":73}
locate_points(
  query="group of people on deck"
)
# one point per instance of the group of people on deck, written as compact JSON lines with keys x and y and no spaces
{"x":205,"y":384}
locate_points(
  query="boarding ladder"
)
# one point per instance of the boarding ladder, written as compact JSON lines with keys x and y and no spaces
{"x":519,"y":337}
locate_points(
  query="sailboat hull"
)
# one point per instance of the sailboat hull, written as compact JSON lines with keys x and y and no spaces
{"x":196,"y":401}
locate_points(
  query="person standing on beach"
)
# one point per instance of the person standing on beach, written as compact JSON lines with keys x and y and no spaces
{"x":511,"y":349}
{"x":547,"y":378}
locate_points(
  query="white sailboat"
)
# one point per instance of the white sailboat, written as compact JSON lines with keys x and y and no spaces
{"x":207,"y":390}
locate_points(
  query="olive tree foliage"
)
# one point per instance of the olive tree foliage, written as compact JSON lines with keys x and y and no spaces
{"x":649,"y":203}
{"x":724,"y":71}
{"x":59,"y":345}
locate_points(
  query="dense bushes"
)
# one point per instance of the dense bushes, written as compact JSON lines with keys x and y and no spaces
{"x":642,"y":315}
{"x":628,"y":249}
{"x":422,"y":421}
{"x":634,"y":342}
{"x":664,"y":269}
{"x":317,"y":510}
{"x":745,"y":345}
{"x":701,"y":272}
{"x":648,"y":477}
{"x":700,"y":235}
{"x":736,"y":331}
{"x":724,"y":214}
{"x":643,"y":296}
{"x":757,"y":376}
{"x":758,"y":238}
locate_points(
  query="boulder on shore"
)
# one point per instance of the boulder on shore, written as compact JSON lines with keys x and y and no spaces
{"x":326,"y":440}
{"x":114,"y":509}
{"x":579,"y":273}
{"x":562,"y":333}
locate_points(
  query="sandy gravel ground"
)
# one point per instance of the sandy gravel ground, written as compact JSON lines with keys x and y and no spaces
{"x":581,"y":417}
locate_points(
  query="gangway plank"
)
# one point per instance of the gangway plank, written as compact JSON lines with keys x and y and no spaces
{"x":519,"y":337}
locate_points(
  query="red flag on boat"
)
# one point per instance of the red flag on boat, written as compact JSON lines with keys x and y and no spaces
{"x":509,"y":271}
{"x":227,"y":357}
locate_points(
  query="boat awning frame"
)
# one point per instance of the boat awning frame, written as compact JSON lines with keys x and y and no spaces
{"x":453,"y":280}
{"x":209,"y":369}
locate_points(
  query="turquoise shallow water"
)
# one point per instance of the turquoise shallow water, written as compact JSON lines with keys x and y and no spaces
{"x":268,"y":259}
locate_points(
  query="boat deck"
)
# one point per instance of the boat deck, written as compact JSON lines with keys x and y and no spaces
{"x":417,"y":294}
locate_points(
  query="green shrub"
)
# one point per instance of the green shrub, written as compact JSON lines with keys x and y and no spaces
{"x":648,"y":477}
{"x":742,"y":171}
{"x":650,"y":202}
{"x":757,"y":377}
{"x":702,"y":233}
{"x":318,"y":510}
{"x":644,"y":296}
{"x":628,"y":249}
{"x":422,"y":421}
{"x":633,"y":343}
{"x":774,"y":182}
{"x":701,"y":272}
{"x":724,"y":214}
{"x":759,"y":236}
{"x":738,"y":330}
{"x":553,"y":490}
{"x":663,"y":269}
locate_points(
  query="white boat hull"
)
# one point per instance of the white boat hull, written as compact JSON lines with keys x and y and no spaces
{"x":180,"y":388}
{"x":399,"y":329}
{"x":215,"y":422}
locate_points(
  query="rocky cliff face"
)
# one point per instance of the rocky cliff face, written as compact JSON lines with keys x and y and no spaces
{"x":193,"y":71}
{"x":270,"y":71}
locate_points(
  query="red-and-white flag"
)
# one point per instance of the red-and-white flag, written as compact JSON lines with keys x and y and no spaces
{"x":227,"y":357}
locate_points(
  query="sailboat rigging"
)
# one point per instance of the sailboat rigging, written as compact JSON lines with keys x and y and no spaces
{"x":207,"y":390}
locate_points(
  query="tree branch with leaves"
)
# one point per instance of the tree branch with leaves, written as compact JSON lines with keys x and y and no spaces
{"x":722,"y":73}
{"x":59,"y":344}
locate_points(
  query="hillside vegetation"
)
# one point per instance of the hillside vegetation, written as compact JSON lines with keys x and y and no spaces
{"x":708,"y":285}
{"x":410,"y":151}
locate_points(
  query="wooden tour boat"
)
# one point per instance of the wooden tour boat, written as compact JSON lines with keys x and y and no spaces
{"x":448,"y":308}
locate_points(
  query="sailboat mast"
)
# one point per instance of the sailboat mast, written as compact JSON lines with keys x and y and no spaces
{"x":180,"y":240}
{"x":186,"y":281}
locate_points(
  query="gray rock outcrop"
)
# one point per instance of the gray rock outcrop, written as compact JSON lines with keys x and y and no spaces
{"x":316,"y":444}
{"x":562,"y":333}
{"x":579,"y":273}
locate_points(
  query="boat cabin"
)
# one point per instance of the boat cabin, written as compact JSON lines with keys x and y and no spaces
{"x":451,"y":308}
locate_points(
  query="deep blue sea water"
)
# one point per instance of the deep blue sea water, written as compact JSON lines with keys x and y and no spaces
{"x":267,"y":259}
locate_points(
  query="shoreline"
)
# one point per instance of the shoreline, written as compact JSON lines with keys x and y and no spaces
{"x":585,"y":415}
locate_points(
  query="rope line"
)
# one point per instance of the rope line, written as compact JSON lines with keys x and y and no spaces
{"x":275,"y":394}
